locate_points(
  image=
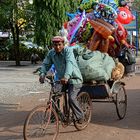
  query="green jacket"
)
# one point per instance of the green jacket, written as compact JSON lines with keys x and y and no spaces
{"x":65,"y":65}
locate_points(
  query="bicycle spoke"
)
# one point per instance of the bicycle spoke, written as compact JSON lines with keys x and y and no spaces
{"x":85,"y":104}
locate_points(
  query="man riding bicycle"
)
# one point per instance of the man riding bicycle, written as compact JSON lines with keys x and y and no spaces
{"x":67,"y":71}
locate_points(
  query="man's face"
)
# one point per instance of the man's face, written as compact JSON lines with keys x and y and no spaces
{"x":58,"y":46}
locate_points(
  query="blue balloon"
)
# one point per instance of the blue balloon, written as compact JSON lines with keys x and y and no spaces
{"x":72,"y":15}
{"x":53,"y":71}
{"x":111,"y":3}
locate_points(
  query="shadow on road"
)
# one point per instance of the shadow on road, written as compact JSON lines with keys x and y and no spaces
{"x":12,"y":117}
{"x":11,"y":121}
{"x":105,"y":113}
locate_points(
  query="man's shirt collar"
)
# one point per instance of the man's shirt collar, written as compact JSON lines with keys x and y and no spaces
{"x":61,"y":53}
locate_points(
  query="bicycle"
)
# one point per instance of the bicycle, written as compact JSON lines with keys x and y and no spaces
{"x":43,"y":121}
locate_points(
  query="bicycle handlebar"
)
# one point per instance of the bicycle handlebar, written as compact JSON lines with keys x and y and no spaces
{"x":51,"y":78}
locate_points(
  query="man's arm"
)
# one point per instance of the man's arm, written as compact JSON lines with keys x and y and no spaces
{"x":69,"y":56}
{"x":45,"y":67}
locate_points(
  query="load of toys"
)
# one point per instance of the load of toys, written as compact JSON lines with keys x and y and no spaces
{"x":98,"y":37}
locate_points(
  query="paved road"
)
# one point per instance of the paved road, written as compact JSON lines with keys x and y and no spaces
{"x":20,"y":91}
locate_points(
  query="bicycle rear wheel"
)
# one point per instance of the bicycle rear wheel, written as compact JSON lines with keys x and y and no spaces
{"x":86,"y":105}
{"x":42,"y":123}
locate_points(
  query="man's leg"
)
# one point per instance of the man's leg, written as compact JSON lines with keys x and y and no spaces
{"x":32,"y":61}
{"x":72,"y":93}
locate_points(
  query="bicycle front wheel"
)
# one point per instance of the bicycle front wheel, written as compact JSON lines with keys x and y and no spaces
{"x":42,"y":123}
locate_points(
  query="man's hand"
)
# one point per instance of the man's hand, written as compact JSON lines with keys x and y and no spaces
{"x":42,"y":79}
{"x":64,"y":81}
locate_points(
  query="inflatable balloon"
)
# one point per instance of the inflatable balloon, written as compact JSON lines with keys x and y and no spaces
{"x":120,"y":38}
{"x":78,"y":23}
{"x":125,"y":16}
{"x":84,"y":33}
{"x":71,"y":24}
{"x":105,"y":12}
{"x":100,"y":38}
{"x":121,"y":34}
{"x":120,"y":31}
{"x":112,"y":3}
{"x":73,"y":15}
{"x":103,"y":28}
{"x":90,"y":16}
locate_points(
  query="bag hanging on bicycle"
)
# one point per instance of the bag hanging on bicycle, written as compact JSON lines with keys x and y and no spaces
{"x":127,"y":56}
{"x":128,"y":59}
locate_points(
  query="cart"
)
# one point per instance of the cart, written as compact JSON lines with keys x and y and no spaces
{"x":108,"y":92}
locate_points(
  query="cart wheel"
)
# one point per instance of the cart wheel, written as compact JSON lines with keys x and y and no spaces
{"x":121,"y":102}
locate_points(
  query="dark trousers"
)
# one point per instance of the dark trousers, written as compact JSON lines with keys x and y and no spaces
{"x":73,"y":90}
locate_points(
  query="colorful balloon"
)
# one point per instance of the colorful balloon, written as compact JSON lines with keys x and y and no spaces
{"x":105,"y":12}
{"x":112,"y":3}
{"x":73,"y":15}
{"x":103,"y":28}
{"x":120,"y":31}
{"x":71,"y":24}
{"x":125,"y":16}
{"x":78,"y":23}
{"x":121,"y":34}
{"x":84,"y":33}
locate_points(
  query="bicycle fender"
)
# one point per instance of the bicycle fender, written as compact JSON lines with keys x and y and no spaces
{"x":116,"y":86}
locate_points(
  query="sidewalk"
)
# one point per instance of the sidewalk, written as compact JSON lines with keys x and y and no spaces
{"x":13,"y":64}
{"x":137,"y":67}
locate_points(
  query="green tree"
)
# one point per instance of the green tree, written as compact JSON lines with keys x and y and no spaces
{"x":50,"y":15}
{"x":13,"y":17}
{"x":44,"y":18}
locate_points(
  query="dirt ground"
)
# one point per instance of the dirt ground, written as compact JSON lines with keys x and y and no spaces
{"x":20,"y":91}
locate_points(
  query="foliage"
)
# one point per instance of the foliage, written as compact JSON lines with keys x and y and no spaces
{"x":14,"y":17}
{"x":50,"y":15}
{"x":5,"y":14}
{"x":44,"y":17}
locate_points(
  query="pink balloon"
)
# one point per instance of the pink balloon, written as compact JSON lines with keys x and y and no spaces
{"x":79,"y":20}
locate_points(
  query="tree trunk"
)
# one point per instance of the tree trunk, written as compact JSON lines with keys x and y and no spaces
{"x":17,"y":46}
{"x":15,"y":33}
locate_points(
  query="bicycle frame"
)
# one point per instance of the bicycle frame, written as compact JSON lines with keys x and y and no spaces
{"x":45,"y":117}
{"x":53,"y":102}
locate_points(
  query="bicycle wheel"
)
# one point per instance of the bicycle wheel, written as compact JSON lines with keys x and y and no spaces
{"x":86,"y":105}
{"x":42,"y":123}
{"x":121,"y":102}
